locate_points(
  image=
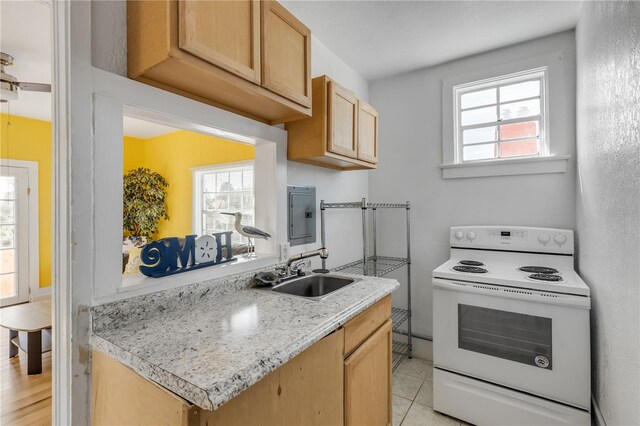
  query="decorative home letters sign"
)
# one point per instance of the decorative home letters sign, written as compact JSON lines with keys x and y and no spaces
{"x":167,"y":257}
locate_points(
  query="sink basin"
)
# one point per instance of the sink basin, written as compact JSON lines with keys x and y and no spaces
{"x":315,"y":287}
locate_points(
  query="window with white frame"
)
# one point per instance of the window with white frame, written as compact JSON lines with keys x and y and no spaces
{"x":501,"y":118}
{"x":223,"y":188}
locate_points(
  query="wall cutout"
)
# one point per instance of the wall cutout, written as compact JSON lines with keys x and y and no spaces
{"x":204,"y":176}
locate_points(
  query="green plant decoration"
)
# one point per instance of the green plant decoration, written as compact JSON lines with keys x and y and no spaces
{"x":143,"y":202}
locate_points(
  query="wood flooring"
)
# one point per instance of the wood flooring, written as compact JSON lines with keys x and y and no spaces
{"x":24,"y":400}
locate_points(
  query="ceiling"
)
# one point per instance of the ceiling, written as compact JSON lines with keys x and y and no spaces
{"x":25,"y":34}
{"x":145,"y":129}
{"x":407,"y":34}
{"x":382,"y":38}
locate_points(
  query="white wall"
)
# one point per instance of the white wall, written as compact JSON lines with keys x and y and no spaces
{"x":410,"y":107}
{"x":344,"y":229}
{"x":343,"y":236}
{"x":608,"y":201}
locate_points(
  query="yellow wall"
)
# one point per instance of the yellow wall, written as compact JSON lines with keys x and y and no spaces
{"x":173,"y":156}
{"x":27,"y":139}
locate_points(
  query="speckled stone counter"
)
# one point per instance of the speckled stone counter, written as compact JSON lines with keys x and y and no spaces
{"x":209,"y":341}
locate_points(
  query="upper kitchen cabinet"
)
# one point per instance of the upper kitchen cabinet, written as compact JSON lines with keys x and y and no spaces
{"x":286,"y":54}
{"x":341,"y":134}
{"x":367,"y":132}
{"x":246,"y":56}
{"x":223,"y":33}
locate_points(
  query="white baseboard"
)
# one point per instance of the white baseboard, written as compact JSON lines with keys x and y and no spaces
{"x":41,"y":293}
{"x":422,"y":348}
{"x":596,"y":415}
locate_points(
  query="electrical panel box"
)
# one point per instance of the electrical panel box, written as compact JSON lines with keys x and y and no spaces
{"x":302,"y":214}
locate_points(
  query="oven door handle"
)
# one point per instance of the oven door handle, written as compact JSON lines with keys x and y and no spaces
{"x":513,"y":293}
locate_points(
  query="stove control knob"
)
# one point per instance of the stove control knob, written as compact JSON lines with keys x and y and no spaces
{"x":560,"y":239}
{"x":458,"y":235}
{"x":471,"y":235}
{"x":544,"y":239}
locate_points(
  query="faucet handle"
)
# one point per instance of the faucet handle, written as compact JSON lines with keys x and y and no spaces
{"x":296,"y":267}
{"x":281,"y":270}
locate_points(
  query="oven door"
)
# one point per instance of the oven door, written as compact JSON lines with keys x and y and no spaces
{"x":528,"y":340}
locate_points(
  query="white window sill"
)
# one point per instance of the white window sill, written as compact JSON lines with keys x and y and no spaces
{"x":515,"y":166}
{"x":137,"y":284}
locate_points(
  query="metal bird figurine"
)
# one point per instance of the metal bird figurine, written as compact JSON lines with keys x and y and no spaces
{"x":248,"y":231}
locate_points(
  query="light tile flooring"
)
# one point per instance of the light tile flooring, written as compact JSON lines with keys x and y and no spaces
{"x":413,"y":396}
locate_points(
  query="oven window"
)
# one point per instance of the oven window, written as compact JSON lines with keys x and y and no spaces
{"x":516,"y":337}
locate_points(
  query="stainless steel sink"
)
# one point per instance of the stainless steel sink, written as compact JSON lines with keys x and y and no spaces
{"x":314,"y":287}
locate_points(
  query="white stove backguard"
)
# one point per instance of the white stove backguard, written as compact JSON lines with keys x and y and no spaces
{"x":513,"y":238}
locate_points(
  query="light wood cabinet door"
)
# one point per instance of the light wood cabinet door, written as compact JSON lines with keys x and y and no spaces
{"x":342,"y":123}
{"x":307,"y":390}
{"x":286,"y":54}
{"x":367,"y":386}
{"x":367,"y":132}
{"x":225,"y":33}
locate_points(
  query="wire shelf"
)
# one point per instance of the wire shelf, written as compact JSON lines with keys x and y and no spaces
{"x":376,"y":266}
{"x":400,"y":351}
{"x":388,"y":205}
{"x":398,"y":317}
{"x":350,"y":205}
{"x":358,"y":205}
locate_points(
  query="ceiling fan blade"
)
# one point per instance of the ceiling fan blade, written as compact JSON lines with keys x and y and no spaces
{"x":35,"y":87}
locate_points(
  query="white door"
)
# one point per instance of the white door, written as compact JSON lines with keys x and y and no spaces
{"x":14,"y":235}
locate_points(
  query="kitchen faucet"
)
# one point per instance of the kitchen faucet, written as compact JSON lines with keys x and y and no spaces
{"x":293,"y":268}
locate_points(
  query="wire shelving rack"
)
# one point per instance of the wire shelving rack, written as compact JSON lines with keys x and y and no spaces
{"x":378,"y":266}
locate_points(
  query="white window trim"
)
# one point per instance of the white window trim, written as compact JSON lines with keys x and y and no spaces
{"x":115,"y":96}
{"x":34,"y":232}
{"x":553,"y":157}
{"x":197,"y":172}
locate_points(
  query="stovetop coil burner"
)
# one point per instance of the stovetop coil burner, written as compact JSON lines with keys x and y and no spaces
{"x":538,"y":270}
{"x":470,"y":269}
{"x":545,"y":277}
{"x":471,"y":263}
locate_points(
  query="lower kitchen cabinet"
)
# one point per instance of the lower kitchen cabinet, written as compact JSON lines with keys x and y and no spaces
{"x":367,"y":381}
{"x":305,"y":391}
{"x":345,"y":378}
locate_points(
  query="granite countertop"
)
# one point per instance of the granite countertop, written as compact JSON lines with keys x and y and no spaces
{"x":210,"y":341}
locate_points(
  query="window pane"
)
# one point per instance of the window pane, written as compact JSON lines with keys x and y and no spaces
{"x":247,"y":179}
{"x":7,"y":260}
{"x":520,"y":109}
{"x":519,"y":130}
{"x":480,"y":152}
{"x":481,"y":115}
{"x":235,"y":178}
{"x":481,"y":134}
{"x":7,"y":187}
{"x":513,"y":92}
{"x":247,"y":202}
{"x":7,"y":236}
{"x":222,"y":182}
{"x":8,"y":285}
{"x":475,"y":99}
{"x":209,"y":182}
{"x":235,"y":202}
{"x":7,"y":212}
{"x":519,"y":148}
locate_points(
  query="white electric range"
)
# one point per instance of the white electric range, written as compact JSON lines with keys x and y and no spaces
{"x":511,"y":334}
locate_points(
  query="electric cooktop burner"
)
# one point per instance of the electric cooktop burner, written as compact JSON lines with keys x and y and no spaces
{"x":538,"y":270}
{"x":470,"y":269}
{"x":471,"y":263}
{"x":545,"y":277}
